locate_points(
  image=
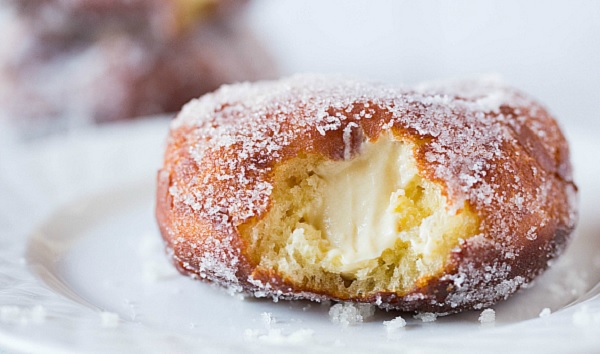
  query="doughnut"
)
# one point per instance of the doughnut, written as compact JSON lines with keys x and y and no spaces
{"x":440,"y":198}
{"x":88,"y":18}
{"x":72,"y":63}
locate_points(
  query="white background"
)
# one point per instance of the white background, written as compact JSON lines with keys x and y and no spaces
{"x":550,"y":49}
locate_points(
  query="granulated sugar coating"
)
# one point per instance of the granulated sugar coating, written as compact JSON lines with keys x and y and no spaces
{"x":426,"y":317}
{"x":349,"y":314}
{"x":487,"y":316}
{"x":268,"y":319}
{"x":491,"y":153}
{"x":394,"y":325}
{"x":545,"y":312}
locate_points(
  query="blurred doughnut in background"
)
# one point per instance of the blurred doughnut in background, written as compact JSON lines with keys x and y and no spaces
{"x":70,"y":63}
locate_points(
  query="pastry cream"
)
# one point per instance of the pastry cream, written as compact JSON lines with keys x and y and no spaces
{"x":371,"y":216}
{"x":356,"y":208}
{"x":368,"y":203}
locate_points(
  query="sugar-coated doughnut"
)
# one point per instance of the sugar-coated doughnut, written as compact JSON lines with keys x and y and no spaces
{"x":69,"y":63}
{"x":439,"y":198}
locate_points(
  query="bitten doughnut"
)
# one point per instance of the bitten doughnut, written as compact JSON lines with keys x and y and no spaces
{"x":436,"y":199}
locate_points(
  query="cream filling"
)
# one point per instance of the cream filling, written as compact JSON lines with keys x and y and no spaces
{"x":355,"y":210}
{"x":365,"y":224}
{"x":362,"y":209}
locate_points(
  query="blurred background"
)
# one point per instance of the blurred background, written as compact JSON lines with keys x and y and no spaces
{"x":71,"y":64}
{"x":550,"y":49}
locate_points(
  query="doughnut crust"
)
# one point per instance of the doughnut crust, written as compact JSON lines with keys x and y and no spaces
{"x":440,"y":198}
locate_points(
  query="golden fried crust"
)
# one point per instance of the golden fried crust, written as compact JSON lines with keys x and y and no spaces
{"x":487,"y":145}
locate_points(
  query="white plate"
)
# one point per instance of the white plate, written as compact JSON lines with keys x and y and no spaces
{"x":79,"y":246}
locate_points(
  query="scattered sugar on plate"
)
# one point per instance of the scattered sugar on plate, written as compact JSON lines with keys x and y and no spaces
{"x":350,"y":314}
{"x":394,"y":325}
{"x":109,"y":319}
{"x":545,"y":312}
{"x":268,"y":319}
{"x":487,"y":316}
{"x":426,"y":317}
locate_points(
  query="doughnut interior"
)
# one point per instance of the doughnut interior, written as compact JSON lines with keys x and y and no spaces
{"x":358,"y":226}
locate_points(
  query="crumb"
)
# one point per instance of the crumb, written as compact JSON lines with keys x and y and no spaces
{"x":394,"y":325}
{"x":349,"y":314}
{"x":545,"y":312}
{"x":109,"y":319}
{"x":426,"y":317}
{"x":487,"y":316}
